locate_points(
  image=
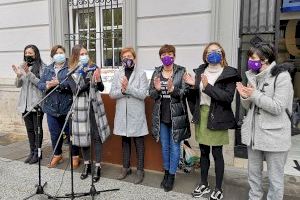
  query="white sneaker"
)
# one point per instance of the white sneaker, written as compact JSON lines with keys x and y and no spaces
{"x":201,"y":190}
{"x":216,"y":195}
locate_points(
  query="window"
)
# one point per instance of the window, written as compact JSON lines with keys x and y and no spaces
{"x":97,"y":25}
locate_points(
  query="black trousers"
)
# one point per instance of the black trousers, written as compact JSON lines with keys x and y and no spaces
{"x":217,"y":152}
{"x":32,"y":124}
{"x":97,"y":144}
{"x":140,"y":151}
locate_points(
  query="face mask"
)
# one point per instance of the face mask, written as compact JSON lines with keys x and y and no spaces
{"x":84,"y":59}
{"x":167,"y":60}
{"x":59,"y":58}
{"x":128,"y":63}
{"x":214,"y":57}
{"x":254,"y":65}
{"x":29,"y":60}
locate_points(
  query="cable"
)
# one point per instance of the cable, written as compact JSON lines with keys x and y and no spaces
{"x":62,"y":179}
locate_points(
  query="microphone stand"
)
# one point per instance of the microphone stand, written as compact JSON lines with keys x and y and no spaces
{"x":40,"y":187}
{"x":93,"y":192}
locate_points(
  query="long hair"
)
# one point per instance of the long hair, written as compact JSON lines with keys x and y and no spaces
{"x":74,"y":58}
{"x":205,"y":52}
{"x":38,"y":61}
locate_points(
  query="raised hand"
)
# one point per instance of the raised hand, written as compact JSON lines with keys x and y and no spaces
{"x":17,"y":70}
{"x":204,"y":80}
{"x":124,"y":83}
{"x":157,"y":83}
{"x":170,"y":85}
{"x":97,"y":75}
{"x":188,"y":79}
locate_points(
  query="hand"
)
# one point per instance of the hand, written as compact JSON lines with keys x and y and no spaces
{"x":17,"y":70}
{"x":97,"y":75}
{"x":244,"y":91}
{"x":157,"y":83}
{"x":124,"y":84}
{"x":170,"y":85}
{"x":188,"y":79}
{"x":204,"y":80}
{"x":26,"y":68}
{"x":54,"y":81}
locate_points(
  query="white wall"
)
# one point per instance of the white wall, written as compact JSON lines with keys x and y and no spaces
{"x":185,"y":24}
{"x":22,"y":22}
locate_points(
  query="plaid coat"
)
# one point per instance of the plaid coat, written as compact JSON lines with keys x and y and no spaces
{"x":82,"y":125}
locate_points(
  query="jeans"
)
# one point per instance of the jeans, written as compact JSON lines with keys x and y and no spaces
{"x":170,"y":149}
{"x":32,"y":124}
{"x":55,"y":125}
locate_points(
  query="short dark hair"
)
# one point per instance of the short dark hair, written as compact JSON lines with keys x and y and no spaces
{"x":264,"y":51}
{"x":167,"y":48}
{"x":54,"y":49}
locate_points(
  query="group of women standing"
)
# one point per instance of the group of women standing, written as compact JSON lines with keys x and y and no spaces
{"x":209,"y":95}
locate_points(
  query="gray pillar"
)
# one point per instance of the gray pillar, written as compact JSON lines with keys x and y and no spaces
{"x":130,"y":23}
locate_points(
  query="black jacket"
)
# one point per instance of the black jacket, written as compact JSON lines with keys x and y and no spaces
{"x":179,"y":113}
{"x":220,"y":113}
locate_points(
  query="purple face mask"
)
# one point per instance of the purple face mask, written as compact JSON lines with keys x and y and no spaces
{"x":254,"y":65}
{"x":167,"y":60}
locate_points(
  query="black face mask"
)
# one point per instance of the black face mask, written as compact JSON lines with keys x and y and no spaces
{"x":29,"y":60}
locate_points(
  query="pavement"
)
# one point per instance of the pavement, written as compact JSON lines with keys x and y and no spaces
{"x":18,"y":180}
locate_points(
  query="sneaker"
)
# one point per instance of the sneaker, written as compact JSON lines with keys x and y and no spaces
{"x":217,"y":194}
{"x":201,"y":190}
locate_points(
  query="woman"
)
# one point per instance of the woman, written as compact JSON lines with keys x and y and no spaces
{"x":266,"y":129}
{"x":86,"y":119}
{"x":170,"y":122}
{"x":210,"y":103}
{"x":129,"y":88}
{"x":58,"y":104}
{"x":28,"y":76}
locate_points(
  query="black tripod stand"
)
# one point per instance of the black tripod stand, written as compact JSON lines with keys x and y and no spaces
{"x":40,"y":187}
{"x":93,"y":192}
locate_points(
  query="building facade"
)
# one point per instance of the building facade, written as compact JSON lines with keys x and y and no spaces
{"x":105,"y":26}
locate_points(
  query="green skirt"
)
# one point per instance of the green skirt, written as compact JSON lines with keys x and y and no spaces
{"x":206,"y":136}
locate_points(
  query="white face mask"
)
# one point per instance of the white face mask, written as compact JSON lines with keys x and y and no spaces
{"x":59,"y":58}
{"x":84,"y":59}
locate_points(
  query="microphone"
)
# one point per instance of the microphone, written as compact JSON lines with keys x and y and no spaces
{"x":79,"y":65}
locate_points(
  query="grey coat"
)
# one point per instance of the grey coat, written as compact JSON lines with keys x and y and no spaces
{"x":267,"y":126}
{"x":130,"y":118}
{"x":30,"y":94}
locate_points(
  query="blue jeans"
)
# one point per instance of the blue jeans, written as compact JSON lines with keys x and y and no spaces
{"x":170,"y":149}
{"x":55,"y":124}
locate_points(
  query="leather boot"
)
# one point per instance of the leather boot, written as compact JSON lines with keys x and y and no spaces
{"x":124,"y":173}
{"x":34,"y":158}
{"x":169,"y":183}
{"x":86,"y":171}
{"x":29,"y":156}
{"x":75,"y":162}
{"x":97,"y":174}
{"x":163,"y":183}
{"x":139,"y":176}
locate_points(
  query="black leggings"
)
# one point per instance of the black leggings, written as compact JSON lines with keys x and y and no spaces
{"x":217,"y":152}
{"x":140,"y":151}
{"x":32,"y":124}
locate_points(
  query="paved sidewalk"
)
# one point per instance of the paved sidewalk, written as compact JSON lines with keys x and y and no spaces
{"x":18,"y":181}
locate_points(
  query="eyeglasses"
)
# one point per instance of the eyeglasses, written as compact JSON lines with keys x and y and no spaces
{"x":217,"y":51}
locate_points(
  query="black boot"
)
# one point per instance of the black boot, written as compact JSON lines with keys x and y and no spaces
{"x":170,"y":182}
{"x":86,"y":171}
{"x":163,"y":183}
{"x":29,"y":156}
{"x":34,"y":158}
{"x":97,"y":173}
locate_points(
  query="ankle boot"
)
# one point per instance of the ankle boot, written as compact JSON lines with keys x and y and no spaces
{"x":163,"y":183}
{"x":86,"y":171}
{"x":169,"y":183}
{"x":124,"y":173}
{"x":97,"y":174}
{"x":139,"y":176}
{"x":29,"y":156}
{"x":34,"y":158}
